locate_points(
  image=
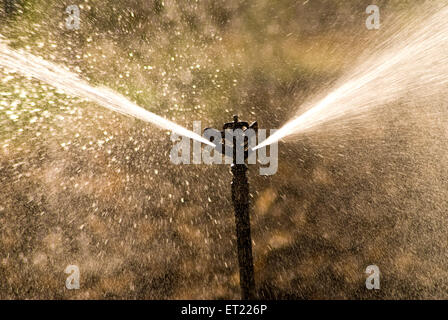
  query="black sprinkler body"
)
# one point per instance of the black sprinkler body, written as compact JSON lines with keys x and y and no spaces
{"x":240,"y":199}
{"x":229,"y":149}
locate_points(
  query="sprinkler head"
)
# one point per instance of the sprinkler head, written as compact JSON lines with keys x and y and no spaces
{"x":234,"y":135}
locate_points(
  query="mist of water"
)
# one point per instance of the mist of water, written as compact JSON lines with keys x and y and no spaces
{"x":30,"y":65}
{"x":410,"y":66}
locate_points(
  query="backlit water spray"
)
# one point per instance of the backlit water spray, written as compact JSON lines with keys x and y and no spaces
{"x":30,"y":65}
{"x":411,"y":66}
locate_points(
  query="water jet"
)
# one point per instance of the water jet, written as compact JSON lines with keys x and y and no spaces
{"x":411,"y":66}
{"x":70,"y":83}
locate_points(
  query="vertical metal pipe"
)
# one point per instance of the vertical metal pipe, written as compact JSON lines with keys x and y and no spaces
{"x":240,"y":199}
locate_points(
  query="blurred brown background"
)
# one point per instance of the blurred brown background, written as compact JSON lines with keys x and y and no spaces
{"x":82,"y":185}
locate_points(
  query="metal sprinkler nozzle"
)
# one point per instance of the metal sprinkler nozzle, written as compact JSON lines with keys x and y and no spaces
{"x":229,"y":148}
{"x":240,"y":198}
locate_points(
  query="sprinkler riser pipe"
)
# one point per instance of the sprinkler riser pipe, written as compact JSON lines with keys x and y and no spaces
{"x":240,"y":199}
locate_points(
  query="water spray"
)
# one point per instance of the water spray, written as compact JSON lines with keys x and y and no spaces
{"x":240,"y":196}
{"x":70,"y":83}
{"x":411,"y":67}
